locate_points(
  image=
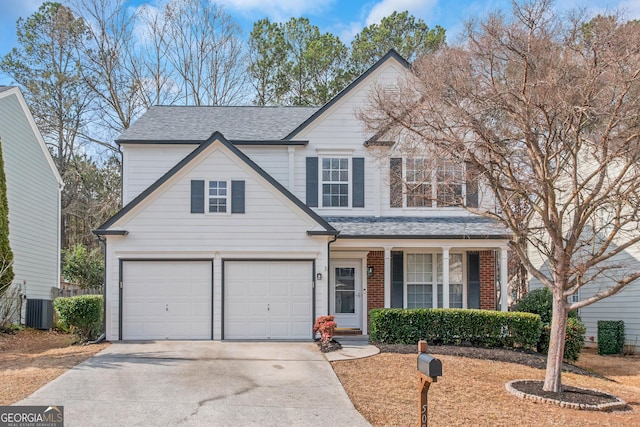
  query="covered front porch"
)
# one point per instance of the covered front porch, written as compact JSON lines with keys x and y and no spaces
{"x":418,"y":270}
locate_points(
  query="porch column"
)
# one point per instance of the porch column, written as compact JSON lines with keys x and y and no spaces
{"x":504,"y":278}
{"x":445,"y":277}
{"x":387,"y":276}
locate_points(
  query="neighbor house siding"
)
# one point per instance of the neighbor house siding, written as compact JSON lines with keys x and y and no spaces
{"x":162,"y":226}
{"x":33,"y":197}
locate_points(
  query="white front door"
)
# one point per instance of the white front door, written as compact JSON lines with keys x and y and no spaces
{"x":346,"y":293}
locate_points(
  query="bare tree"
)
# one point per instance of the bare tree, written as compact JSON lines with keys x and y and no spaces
{"x":205,"y":49}
{"x":107,"y":56}
{"x":547,"y":110}
{"x":151,"y":67}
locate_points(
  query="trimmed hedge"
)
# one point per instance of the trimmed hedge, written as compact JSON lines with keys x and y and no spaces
{"x":574,"y":339}
{"x":454,"y":326}
{"x":610,"y":336}
{"x":82,"y":314}
{"x":540,"y":302}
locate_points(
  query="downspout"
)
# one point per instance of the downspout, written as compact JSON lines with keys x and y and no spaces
{"x":335,"y":237}
{"x":103,"y":244}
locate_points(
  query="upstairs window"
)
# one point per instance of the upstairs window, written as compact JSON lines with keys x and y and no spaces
{"x":418,"y":183}
{"x":218,"y":196}
{"x":335,"y":182}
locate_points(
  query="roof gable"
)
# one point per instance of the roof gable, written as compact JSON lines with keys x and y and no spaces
{"x":7,"y":91}
{"x":391,"y":55}
{"x":191,"y":159}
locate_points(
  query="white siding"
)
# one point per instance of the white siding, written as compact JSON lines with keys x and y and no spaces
{"x":33,"y":197}
{"x":274,"y":160}
{"x":162,"y":226}
{"x":339,"y":128}
{"x":622,"y":306}
{"x":143,"y":164}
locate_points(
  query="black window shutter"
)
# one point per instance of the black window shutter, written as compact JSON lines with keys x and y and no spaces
{"x":197,"y":196}
{"x":237,"y":196}
{"x":471,"y":186}
{"x":395,"y":180}
{"x":312,"y":182}
{"x":358,"y":182}
{"x":397,"y":280}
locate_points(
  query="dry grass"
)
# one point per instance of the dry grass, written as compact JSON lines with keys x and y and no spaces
{"x":31,"y":358}
{"x":384,"y":388}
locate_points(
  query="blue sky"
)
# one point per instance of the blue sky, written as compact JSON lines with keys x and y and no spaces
{"x":344,"y":18}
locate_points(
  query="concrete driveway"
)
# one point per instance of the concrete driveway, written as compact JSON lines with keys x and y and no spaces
{"x":197,"y":383}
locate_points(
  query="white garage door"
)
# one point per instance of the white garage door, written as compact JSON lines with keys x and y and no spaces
{"x":166,"y":300}
{"x":268,"y":299}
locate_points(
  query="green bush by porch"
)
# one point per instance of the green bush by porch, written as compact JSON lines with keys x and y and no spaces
{"x":454,"y":326}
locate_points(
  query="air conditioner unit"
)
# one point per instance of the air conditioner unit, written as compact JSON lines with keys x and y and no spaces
{"x":39,"y":313}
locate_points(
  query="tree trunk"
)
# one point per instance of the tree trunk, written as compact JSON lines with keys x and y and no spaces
{"x":553,"y":376}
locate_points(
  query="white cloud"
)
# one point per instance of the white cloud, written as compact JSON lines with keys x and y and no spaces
{"x":277,"y":9}
{"x":418,"y":8}
{"x":348,"y":32}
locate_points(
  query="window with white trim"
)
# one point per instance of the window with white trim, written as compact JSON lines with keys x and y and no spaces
{"x":456,"y":280}
{"x":218,"y":196}
{"x":428,"y":184}
{"x":449,"y":183}
{"x":418,"y":184}
{"x":419,"y":280}
{"x":335,"y":182}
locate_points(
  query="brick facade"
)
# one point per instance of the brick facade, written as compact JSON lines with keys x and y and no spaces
{"x":375,"y":283}
{"x":487,"y":280}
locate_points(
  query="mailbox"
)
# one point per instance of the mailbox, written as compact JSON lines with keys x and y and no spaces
{"x":429,"y":366}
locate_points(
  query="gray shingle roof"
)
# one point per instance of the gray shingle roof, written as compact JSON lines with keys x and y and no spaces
{"x":467,"y":227}
{"x":189,"y":123}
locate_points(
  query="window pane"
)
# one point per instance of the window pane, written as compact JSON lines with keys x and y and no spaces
{"x":217,"y":196}
{"x":419,"y":296}
{"x":335,"y":179}
{"x":419,"y":195}
{"x":455,"y":295}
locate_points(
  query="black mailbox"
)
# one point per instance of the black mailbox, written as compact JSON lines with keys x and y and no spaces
{"x":429,"y":365}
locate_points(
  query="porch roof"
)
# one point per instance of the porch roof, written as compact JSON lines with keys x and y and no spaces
{"x":460,"y":227}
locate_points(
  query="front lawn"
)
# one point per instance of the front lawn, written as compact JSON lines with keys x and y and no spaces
{"x":472,"y":391}
{"x":31,"y":358}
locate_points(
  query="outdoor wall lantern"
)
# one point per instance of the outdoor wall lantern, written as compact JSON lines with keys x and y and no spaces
{"x":369,"y":270}
{"x":319,"y":276}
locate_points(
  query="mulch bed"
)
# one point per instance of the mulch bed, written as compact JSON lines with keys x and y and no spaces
{"x":570,"y":397}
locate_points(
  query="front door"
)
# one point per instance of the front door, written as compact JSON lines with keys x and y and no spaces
{"x":346,"y":294}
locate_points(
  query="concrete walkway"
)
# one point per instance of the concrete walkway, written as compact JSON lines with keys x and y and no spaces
{"x":202,"y":383}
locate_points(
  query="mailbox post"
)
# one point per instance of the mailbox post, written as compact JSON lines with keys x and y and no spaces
{"x":429,"y":369}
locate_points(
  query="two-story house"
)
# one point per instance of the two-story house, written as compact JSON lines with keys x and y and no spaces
{"x":248,"y":222}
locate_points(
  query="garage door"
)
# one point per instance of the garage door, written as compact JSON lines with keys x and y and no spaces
{"x":268,"y":299}
{"x":166,"y":300}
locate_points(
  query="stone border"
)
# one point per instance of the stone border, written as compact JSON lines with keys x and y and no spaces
{"x":620,"y":404}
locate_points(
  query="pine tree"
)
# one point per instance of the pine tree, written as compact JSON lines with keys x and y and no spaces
{"x":6,"y":255}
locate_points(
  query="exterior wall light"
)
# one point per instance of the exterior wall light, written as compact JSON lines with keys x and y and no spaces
{"x":370,"y":271}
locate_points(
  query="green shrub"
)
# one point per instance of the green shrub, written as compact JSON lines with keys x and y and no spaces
{"x":610,"y":336}
{"x":540,"y":302}
{"x":82,"y":314}
{"x":454,"y":326}
{"x":574,"y":339}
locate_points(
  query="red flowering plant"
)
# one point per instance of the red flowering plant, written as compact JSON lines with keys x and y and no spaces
{"x":325,"y":325}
